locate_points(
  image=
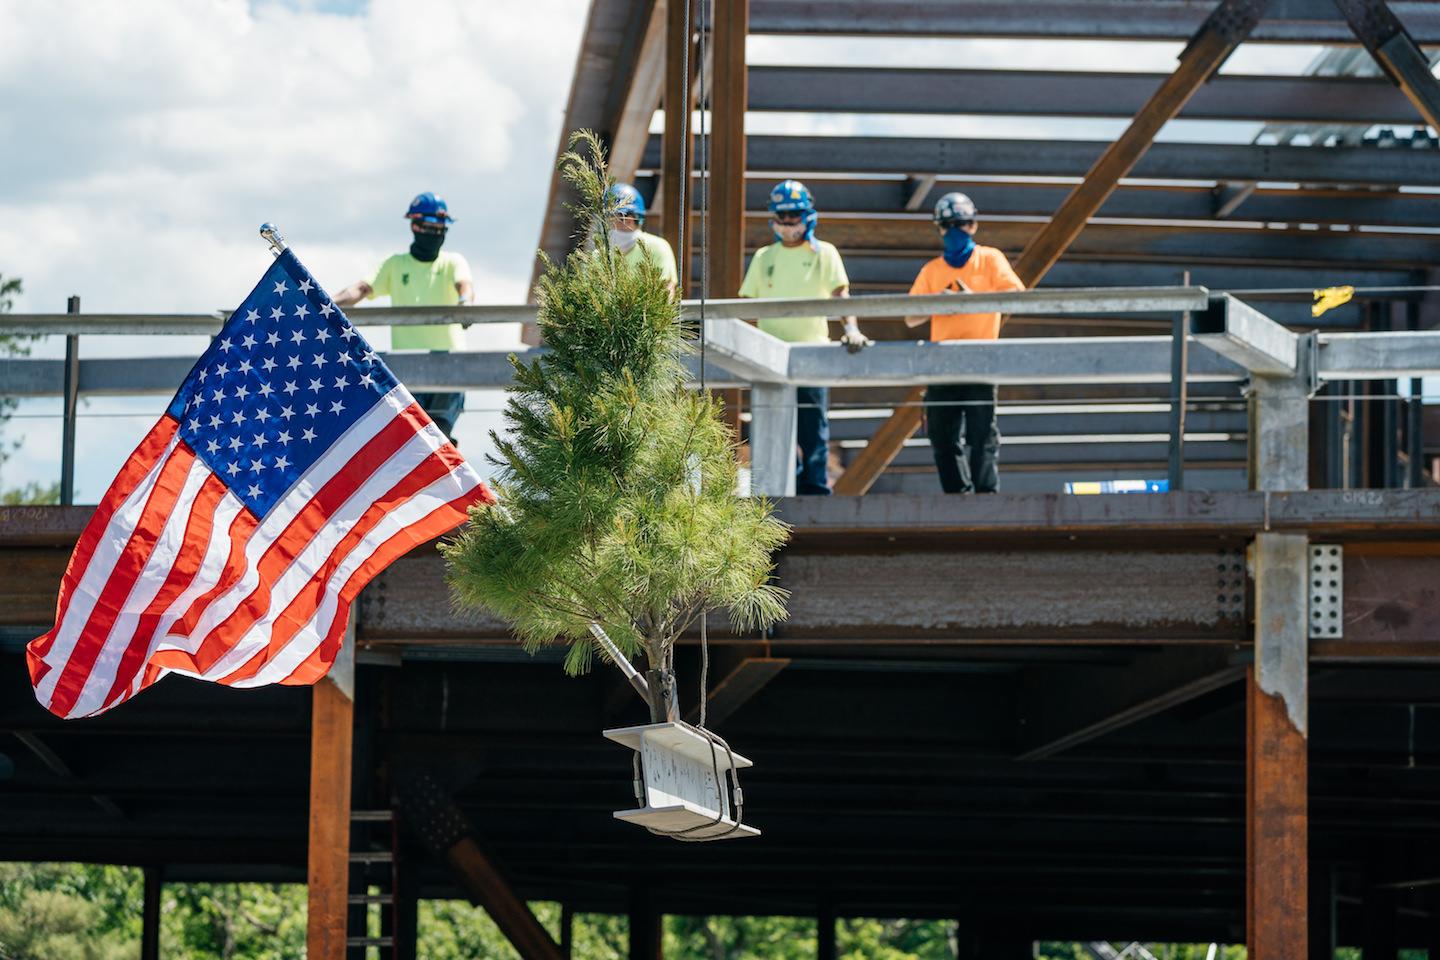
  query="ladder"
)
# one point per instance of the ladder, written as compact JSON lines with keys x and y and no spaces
{"x":372,"y":885}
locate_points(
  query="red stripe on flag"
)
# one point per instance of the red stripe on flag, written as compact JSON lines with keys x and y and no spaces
{"x":242,"y":528}
{"x":302,"y":529}
{"x":127,"y":570}
{"x":134,"y":470}
{"x":439,"y":521}
{"x":198,"y":530}
{"x":308,"y":599}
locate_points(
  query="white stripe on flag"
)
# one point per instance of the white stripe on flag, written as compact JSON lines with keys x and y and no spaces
{"x":332,"y":462}
{"x":212,"y":569}
{"x":167,"y":547}
{"x":319,"y":549}
{"x":453,"y":485}
{"x":97,"y":573}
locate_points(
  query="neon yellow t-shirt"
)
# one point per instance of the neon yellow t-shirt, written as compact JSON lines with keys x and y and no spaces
{"x":657,"y":251}
{"x":414,"y":283}
{"x":800,"y":271}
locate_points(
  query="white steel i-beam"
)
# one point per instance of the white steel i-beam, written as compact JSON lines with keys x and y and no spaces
{"x":1245,"y":335}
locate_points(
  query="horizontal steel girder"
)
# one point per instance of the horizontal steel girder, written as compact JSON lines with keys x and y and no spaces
{"x":1286,"y":21}
{"x":1067,"y":93}
{"x":800,"y":155}
{"x":878,"y":194}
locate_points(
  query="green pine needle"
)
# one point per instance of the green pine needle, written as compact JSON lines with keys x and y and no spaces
{"x":597,"y":520}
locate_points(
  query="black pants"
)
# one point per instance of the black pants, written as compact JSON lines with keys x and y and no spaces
{"x":965,"y":412}
{"x":444,"y":409}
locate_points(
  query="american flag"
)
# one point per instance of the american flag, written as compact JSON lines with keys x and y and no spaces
{"x":289,"y":470}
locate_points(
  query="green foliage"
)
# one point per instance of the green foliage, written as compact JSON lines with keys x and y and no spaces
{"x":236,"y":921}
{"x":32,"y":494}
{"x":599,"y":517}
{"x":58,"y":911}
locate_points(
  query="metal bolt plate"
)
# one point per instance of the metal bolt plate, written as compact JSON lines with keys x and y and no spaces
{"x":1326,"y":585}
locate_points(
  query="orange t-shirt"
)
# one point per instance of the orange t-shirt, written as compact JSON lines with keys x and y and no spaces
{"x":987,"y":271}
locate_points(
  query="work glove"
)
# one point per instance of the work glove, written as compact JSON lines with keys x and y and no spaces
{"x":855,"y":341}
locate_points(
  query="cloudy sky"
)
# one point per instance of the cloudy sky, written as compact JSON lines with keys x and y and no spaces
{"x":146,"y":140}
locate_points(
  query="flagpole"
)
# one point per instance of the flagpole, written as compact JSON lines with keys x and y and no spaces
{"x":272,"y":236}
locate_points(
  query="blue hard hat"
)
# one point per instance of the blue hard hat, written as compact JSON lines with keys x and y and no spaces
{"x":954,"y":209}
{"x":429,"y":208}
{"x":627,"y":201}
{"x":791,"y":196}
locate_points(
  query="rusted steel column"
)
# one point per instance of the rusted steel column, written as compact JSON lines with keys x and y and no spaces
{"x":727,"y":146}
{"x":329,"y":861}
{"x":1276,"y":807}
{"x":728,"y":100}
{"x":678,"y":147}
{"x":1276,"y":820}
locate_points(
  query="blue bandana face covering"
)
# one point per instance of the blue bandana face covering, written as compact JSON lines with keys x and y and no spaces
{"x":959,"y":244}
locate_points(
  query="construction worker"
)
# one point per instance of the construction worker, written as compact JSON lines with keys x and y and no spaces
{"x":961,"y":416}
{"x":798,"y":264}
{"x":423,"y":276}
{"x":635,"y":245}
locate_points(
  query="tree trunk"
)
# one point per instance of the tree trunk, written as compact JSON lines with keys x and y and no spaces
{"x":663,"y":705}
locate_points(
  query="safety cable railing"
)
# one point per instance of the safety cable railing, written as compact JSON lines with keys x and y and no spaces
{"x":1230,"y":342}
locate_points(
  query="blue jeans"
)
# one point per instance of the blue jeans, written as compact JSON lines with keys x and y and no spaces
{"x":812,"y":432}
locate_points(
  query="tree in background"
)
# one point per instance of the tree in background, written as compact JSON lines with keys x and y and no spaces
{"x":65,"y":911}
{"x":14,"y":345}
{"x":616,"y":489}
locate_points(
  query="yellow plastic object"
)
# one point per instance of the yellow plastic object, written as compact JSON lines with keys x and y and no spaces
{"x":1330,"y":298}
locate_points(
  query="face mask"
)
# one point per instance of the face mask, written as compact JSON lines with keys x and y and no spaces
{"x":788,"y":232}
{"x":623,"y":240}
{"x":959,"y":244}
{"x":426,"y":246}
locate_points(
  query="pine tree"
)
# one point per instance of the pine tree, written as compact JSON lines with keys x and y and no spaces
{"x":616,"y":487}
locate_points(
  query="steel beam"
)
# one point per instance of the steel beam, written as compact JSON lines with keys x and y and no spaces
{"x":328,"y":873}
{"x":150,"y":914}
{"x":1176,"y":201}
{"x":1288,"y":21}
{"x":1235,"y":330}
{"x":1193,"y":244}
{"x":646,"y":69}
{"x":1066,"y":93}
{"x":747,"y":350}
{"x":1065,"y":707}
{"x":1246,"y":336}
{"x":774,"y":417}
{"x":446,"y":832}
{"x":802,"y":155}
{"x":1211,"y":46}
{"x":1049,"y":302}
{"x":679,"y":139}
{"x":727,"y":143}
{"x":1079,"y":360}
{"x":1242,"y":280}
{"x":1378,"y":356}
{"x":604,"y":64}
{"x":1395,"y":50}
{"x":738,"y":687}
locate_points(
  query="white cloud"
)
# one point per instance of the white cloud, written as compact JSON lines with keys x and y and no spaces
{"x":145,"y":141}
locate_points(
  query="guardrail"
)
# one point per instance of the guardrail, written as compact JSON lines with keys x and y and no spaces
{"x":1237,"y":344}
